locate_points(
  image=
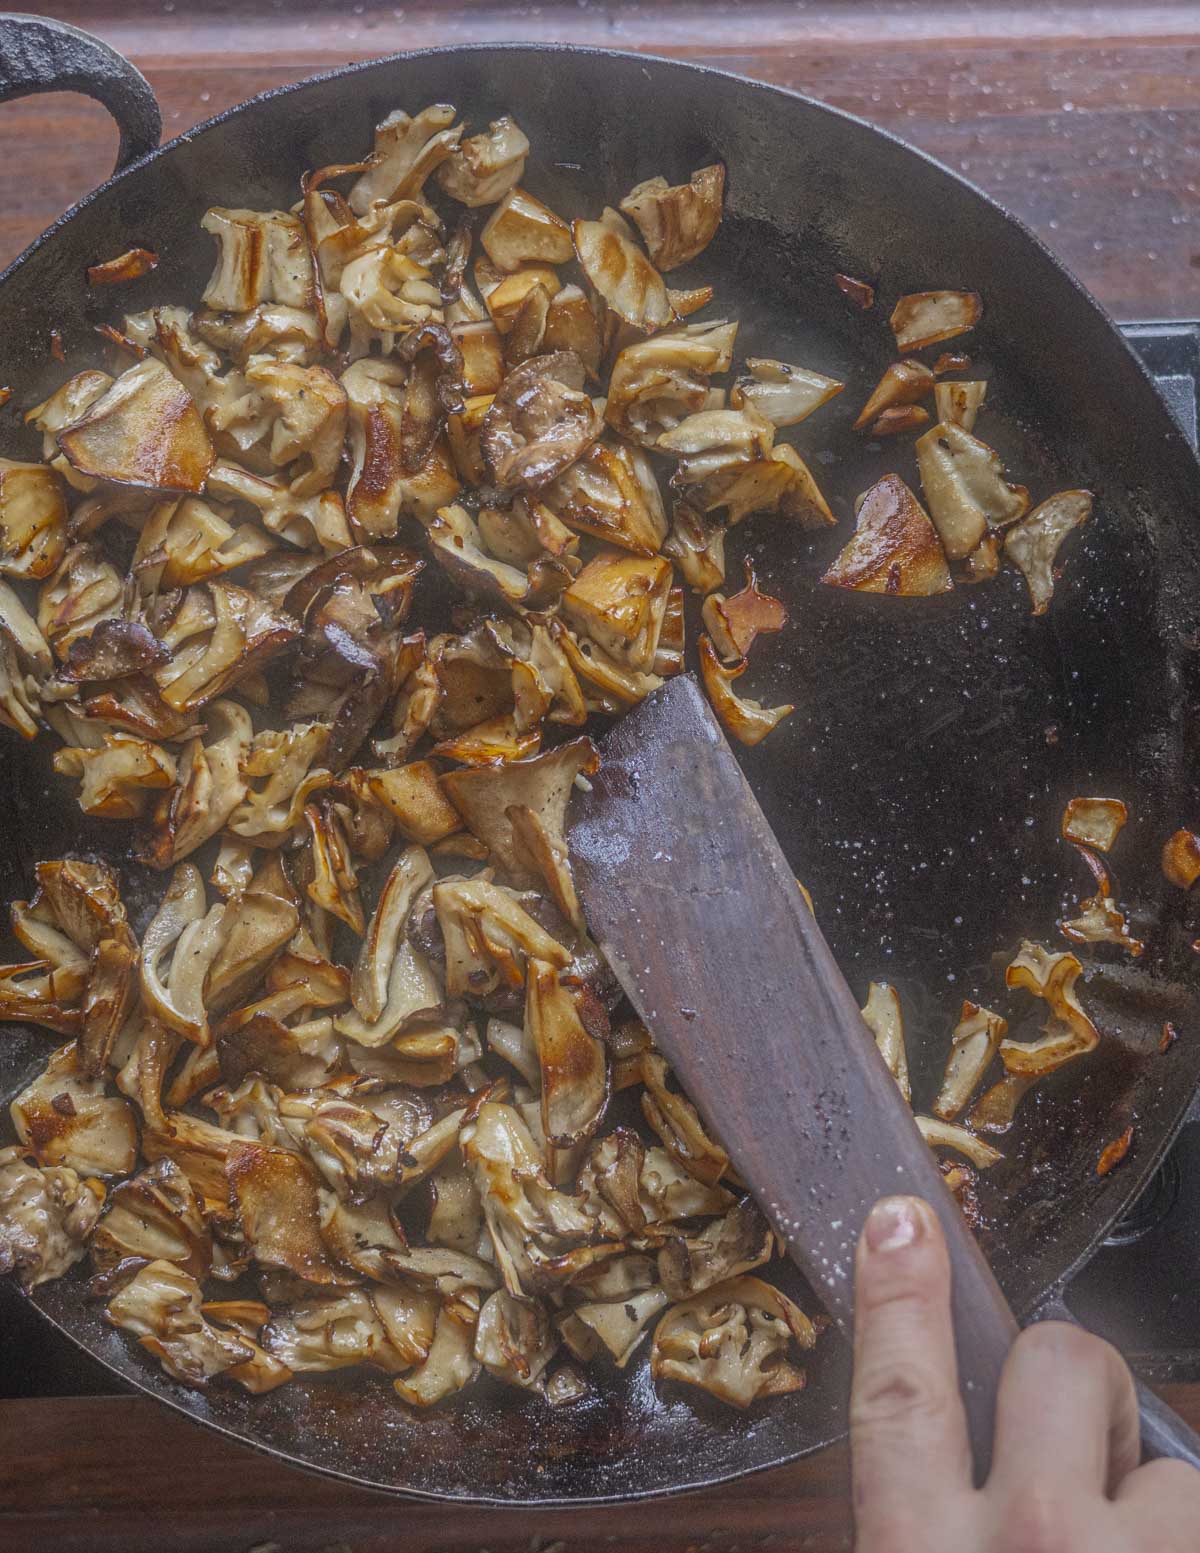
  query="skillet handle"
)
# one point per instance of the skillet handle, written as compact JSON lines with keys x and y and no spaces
{"x":38,"y":54}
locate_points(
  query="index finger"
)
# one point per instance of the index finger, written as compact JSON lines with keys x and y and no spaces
{"x":907,"y":1422}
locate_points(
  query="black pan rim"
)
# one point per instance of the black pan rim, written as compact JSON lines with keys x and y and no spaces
{"x":1170,"y":430}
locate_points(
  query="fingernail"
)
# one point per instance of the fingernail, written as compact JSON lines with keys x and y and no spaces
{"x":893,"y":1223}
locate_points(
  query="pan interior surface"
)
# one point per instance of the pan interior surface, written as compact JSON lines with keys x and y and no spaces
{"x":917,"y":789}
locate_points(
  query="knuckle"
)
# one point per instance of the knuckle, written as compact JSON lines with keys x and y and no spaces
{"x":897,"y":1391}
{"x":1040,"y":1520}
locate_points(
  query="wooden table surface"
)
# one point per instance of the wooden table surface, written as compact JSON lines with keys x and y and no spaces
{"x":1084,"y":119}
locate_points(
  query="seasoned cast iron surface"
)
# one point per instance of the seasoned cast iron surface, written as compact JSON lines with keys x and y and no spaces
{"x":918,"y":787}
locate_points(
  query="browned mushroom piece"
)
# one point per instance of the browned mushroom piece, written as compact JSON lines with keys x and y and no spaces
{"x":619,"y":601}
{"x":539,"y":422}
{"x":33,"y":519}
{"x":621,"y":273}
{"x":734,"y":624}
{"x":959,"y":403}
{"x":1094,"y":822}
{"x":733,"y":1341}
{"x":747,"y":719}
{"x":895,"y":548}
{"x":573,"y":1067}
{"x":1181,"y":859}
{"x":675,"y":1120}
{"x":973,"y":1044}
{"x":1034,"y":543}
{"x":1069,"y":1033}
{"x":716,"y":441}
{"x":304,"y":521}
{"x":949,"y":1135}
{"x":902,"y":384}
{"x":130,"y":265}
{"x":143,"y":431}
{"x":484,"y":167}
{"x":611,"y":492}
{"x":156,"y":1216}
{"x":521,"y":230}
{"x":696,"y":544}
{"x":927,"y":317}
{"x":220,"y":634}
{"x":63,"y":1117}
{"x":161,"y":1306}
{"x":46,"y":1216}
{"x":677,"y":223}
{"x":262,"y":257}
{"x":209,"y":785}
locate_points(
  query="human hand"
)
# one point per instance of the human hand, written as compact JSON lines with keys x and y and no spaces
{"x":1065,"y":1476}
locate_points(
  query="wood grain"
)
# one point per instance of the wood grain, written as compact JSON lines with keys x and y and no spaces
{"x":1084,"y":119}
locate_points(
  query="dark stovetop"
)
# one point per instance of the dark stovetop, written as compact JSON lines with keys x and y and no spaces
{"x":1141,"y":1289}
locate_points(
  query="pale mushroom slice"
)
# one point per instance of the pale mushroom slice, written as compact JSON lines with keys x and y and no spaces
{"x":882,"y":1017}
{"x":208,"y":788}
{"x":308,"y":427}
{"x":949,"y":1135}
{"x":656,"y":383}
{"x":1034,"y":543}
{"x":895,"y":548}
{"x":1094,"y":822}
{"x":515,"y":1340}
{"x":733,"y":1341}
{"x":784,"y":393}
{"x":965,"y":487}
{"x":263,"y":258}
{"x":451,"y":1363}
{"x":160,"y":1305}
{"x":675,"y":1120}
{"x":1069,"y":1033}
{"x":407,"y":150}
{"x":959,"y":403}
{"x":33,"y":519}
{"x":484,"y":167}
{"x":63,"y":1117}
{"x":489,"y":937}
{"x":83,"y":593}
{"x":927,"y":317}
{"x":46,"y":1217}
{"x":144,"y":431}
{"x":696,"y":544}
{"x":781,"y":482}
{"x":573,"y":1067}
{"x":747,"y":719}
{"x":736,"y":1243}
{"x":975,"y":1041}
{"x":486,"y":796}
{"x":380,"y":490}
{"x":304,"y":521}
{"x":617,"y":268}
{"x":411,"y":873}
{"x":221,"y":634}
{"x":716,"y":441}
{"x":616,"y":1325}
{"x":190,"y":540}
{"x":183,"y":939}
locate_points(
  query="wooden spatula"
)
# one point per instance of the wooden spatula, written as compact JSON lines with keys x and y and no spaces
{"x":691,"y":898}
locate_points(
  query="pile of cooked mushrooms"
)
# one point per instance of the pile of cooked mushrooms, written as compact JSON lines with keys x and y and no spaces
{"x":341,"y":1101}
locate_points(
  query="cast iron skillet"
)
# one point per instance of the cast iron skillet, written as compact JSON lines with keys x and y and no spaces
{"x":918,"y":787}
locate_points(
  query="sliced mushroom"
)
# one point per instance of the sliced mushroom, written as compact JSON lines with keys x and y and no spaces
{"x":1094,"y":822}
{"x":334,"y":882}
{"x":209,"y":786}
{"x":965,"y":488}
{"x":949,"y":1135}
{"x":143,"y":431}
{"x":573,"y":1067}
{"x":263,"y":258}
{"x":733,"y":1341}
{"x":160,"y":1305}
{"x":46,"y":1216}
{"x":84,"y":592}
{"x":895,"y":548}
{"x":539,"y":422}
{"x":277,"y":1199}
{"x":451,"y":1364}
{"x":657,"y":383}
{"x":407,"y":151}
{"x":244,"y":634}
{"x":748,"y":720}
{"x":785,"y":394}
{"x":1034,"y":543}
{"x":696,"y":544}
{"x":728,"y":1247}
{"x":305,"y":521}
{"x":1181,"y":859}
{"x":63,"y":1117}
{"x":514,"y":1340}
{"x":715,"y":442}
{"x":611,"y":492}
{"x":489,"y":938}
{"x":927,"y":317}
{"x":734,"y":624}
{"x":959,"y":404}
{"x":191,"y":934}
{"x":620,"y":602}
{"x":309,"y":420}
{"x":617,"y":268}
{"x":883,"y":1019}
{"x":674,"y":1119}
{"x":521,"y":230}
{"x":33,"y":519}
{"x":975,"y":1041}
{"x":903,"y":383}
{"x":677,"y":223}
{"x":369,"y":985}
{"x":483,"y":168}
{"x":156,"y":1216}
{"x":1069,"y":1033}
{"x":615,"y":1325}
